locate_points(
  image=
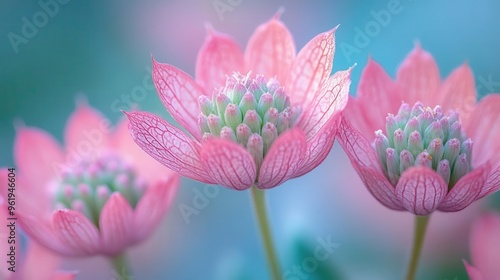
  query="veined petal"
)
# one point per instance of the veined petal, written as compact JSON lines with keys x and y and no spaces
{"x":283,"y":159}
{"x":219,"y":56}
{"x":311,"y":67}
{"x":421,"y":190}
{"x":377,"y":95}
{"x":418,"y":78}
{"x":168,"y":145}
{"x":153,"y":206}
{"x":466,"y":190}
{"x":319,"y":146}
{"x":458,"y":92}
{"x":179,"y":93}
{"x":115,"y":225}
{"x":484,"y":243}
{"x":492,"y":183}
{"x":87,"y":130}
{"x":228,"y":164}
{"x":483,"y":127}
{"x":329,"y":101}
{"x":76,"y":232}
{"x":365,"y":162}
{"x":270,"y":50}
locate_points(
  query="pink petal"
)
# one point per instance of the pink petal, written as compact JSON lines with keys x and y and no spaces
{"x":37,"y":154}
{"x":76,"y":232}
{"x":377,"y":96}
{"x":219,"y":56}
{"x":492,"y":182}
{"x":116,"y":225}
{"x":466,"y":191}
{"x":64,"y":276}
{"x":458,"y":92}
{"x":146,"y":166}
{"x":421,"y":190}
{"x":179,"y":93}
{"x":418,"y":78}
{"x":283,"y":159}
{"x":40,"y":263}
{"x":311,"y":67}
{"x":319,"y":146}
{"x":168,"y":145}
{"x":483,"y":127}
{"x":228,"y":164}
{"x":365,"y":162}
{"x":474,"y":273}
{"x":87,"y":130}
{"x":485,"y":245}
{"x":329,"y":101}
{"x":153,"y":206}
{"x":270,"y":50}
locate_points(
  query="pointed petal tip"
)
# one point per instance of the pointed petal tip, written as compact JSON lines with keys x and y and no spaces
{"x":278,"y":13}
{"x":209,"y":28}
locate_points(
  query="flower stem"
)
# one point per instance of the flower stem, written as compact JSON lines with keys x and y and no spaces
{"x":259,"y":203}
{"x":121,"y":267}
{"x":421,"y":223}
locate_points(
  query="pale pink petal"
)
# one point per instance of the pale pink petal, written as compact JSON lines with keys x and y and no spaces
{"x":219,"y":57}
{"x":283,"y":159}
{"x":153,"y":206}
{"x":466,"y":191}
{"x":474,"y":273}
{"x":179,"y":93}
{"x":76,"y":232}
{"x":418,"y":78}
{"x":115,"y":224}
{"x":357,"y":116}
{"x":40,"y":263}
{"x":87,"y":130}
{"x":365,"y":162}
{"x":146,"y":166}
{"x":270,"y":50}
{"x":319,"y":146}
{"x":311,"y":67}
{"x":485,"y":244}
{"x":483,"y":127}
{"x":37,"y":154}
{"x":228,"y":164}
{"x":421,"y":190}
{"x":377,"y":96}
{"x":492,"y":182}
{"x":458,"y":92}
{"x":168,"y":145}
{"x":328,"y":102}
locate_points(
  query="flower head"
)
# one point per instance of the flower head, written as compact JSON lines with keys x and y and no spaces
{"x":424,"y":161}
{"x":254,"y":118}
{"x":484,"y":244}
{"x":98,"y":195}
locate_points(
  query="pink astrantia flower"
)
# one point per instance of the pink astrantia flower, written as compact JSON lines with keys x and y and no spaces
{"x":424,"y":161}
{"x":36,"y":263}
{"x":485,"y":248}
{"x":98,"y":195}
{"x":275,"y":122}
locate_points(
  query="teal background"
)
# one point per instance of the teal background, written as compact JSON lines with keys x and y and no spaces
{"x":101,"y":50}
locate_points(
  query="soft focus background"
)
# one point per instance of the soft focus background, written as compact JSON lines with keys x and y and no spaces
{"x":101,"y":49}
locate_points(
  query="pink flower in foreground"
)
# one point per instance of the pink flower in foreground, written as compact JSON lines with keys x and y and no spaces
{"x":37,"y":264}
{"x":485,"y":248}
{"x":273,"y":123}
{"x":98,"y":195}
{"x":424,"y":160}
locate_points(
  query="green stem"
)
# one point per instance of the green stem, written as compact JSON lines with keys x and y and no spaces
{"x":121,"y":267}
{"x":421,"y":223}
{"x":259,"y":203}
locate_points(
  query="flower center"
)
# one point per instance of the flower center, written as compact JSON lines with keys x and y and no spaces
{"x":87,"y":187}
{"x":421,"y":136}
{"x":250,"y":111}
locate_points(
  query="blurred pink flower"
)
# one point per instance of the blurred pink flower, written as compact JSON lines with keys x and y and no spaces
{"x":425,"y":162}
{"x":276,"y":122}
{"x":98,"y":195}
{"x":485,"y":248}
{"x":37,"y":264}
